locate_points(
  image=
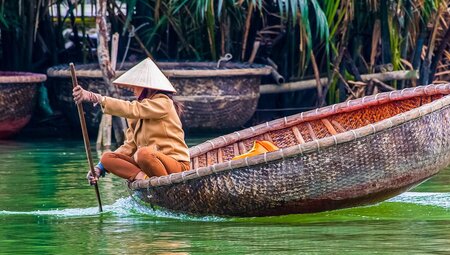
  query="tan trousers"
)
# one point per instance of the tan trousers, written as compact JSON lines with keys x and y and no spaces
{"x":151,"y":162}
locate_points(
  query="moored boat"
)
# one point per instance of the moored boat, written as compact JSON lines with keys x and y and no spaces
{"x":215,"y":98}
{"x":355,"y":153}
{"x":17,"y":100}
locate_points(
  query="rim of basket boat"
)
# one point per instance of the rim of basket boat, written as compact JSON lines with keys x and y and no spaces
{"x":311,"y":146}
{"x":93,"y":70}
{"x":21,"y":77}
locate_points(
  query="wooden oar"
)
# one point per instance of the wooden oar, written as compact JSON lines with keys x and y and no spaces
{"x":87,"y":145}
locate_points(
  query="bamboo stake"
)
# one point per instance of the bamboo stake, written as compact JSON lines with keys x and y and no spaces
{"x":87,"y":145}
{"x":255,"y":49}
{"x":114,"y":49}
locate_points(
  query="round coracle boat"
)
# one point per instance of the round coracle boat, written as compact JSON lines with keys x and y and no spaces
{"x":214,"y":98}
{"x":355,"y":153}
{"x":17,"y":100}
{"x":89,"y":76}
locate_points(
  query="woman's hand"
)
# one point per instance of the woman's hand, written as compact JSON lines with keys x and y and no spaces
{"x":81,"y":95}
{"x":93,"y":179}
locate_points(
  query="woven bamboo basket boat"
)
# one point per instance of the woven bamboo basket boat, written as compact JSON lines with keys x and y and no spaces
{"x":349,"y":154}
{"x":17,"y":100}
{"x":89,"y":77}
{"x":214,"y":98}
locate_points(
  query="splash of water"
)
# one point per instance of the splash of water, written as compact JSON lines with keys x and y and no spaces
{"x":127,"y":206}
{"x":123,"y":207}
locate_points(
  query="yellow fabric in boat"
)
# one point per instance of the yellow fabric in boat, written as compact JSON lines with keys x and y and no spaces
{"x":259,"y":147}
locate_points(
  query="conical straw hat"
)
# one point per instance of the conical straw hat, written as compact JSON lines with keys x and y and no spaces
{"x":146,"y":75}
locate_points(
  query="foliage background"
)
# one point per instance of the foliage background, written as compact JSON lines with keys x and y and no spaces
{"x":338,"y":39}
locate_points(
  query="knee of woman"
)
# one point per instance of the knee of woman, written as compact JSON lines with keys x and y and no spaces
{"x":106,"y":157}
{"x":144,"y":153}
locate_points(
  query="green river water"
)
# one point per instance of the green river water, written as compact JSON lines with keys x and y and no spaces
{"x":47,"y":207}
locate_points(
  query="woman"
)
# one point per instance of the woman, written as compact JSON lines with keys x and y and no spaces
{"x":154,"y":144}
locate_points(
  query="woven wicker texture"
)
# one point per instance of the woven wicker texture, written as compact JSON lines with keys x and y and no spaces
{"x":285,"y":137}
{"x":93,"y":114}
{"x":213,"y":100}
{"x":393,"y":146}
{"x":17,"y":100}
{"x":21,"y":77}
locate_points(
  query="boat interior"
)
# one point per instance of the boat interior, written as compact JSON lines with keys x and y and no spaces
{"x":289,"y":134}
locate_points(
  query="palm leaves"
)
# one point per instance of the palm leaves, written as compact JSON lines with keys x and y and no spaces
{"x":206,"y":29}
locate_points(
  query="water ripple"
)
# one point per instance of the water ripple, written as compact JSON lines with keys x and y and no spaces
{"x":125,"y":207}
{"x":424,"y":198}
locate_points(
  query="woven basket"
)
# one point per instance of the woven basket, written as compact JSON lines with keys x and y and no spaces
{"x":89,"y":77}
{"x":214,"y":98}
{"x":349,"y":154}
{"x":17,"y":100}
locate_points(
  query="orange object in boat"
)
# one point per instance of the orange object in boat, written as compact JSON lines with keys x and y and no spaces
{"x":259,"y":147}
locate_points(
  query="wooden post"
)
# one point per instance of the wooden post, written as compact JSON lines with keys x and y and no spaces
{"x":107,"y":66}
{"x":102,"y":43}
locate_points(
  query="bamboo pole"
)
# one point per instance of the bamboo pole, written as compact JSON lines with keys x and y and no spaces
{"x":309,"y":84}
{"x":87,"y":145}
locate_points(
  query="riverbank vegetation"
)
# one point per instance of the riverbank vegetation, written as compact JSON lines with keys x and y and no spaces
{"x":301,"y":39}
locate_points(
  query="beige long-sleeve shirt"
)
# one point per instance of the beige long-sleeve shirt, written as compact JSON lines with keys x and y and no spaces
{"x":152,"y":122}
